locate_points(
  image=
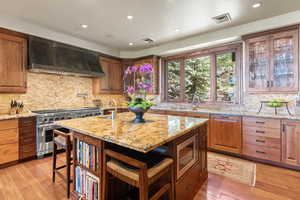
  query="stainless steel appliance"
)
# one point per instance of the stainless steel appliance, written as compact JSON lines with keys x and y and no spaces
{"x":46,"y":124}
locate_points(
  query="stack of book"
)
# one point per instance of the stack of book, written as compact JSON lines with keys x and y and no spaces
{"x":87,"y":185}
{"x":87,"y":155}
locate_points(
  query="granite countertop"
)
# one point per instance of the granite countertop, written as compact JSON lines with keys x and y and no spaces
{"x":110,"y":107}
{"x":143,"y":137}
{"x":16,"y":116}
{"x":228,"y":112}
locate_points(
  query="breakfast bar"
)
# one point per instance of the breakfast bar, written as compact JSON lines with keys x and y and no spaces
{"x":180,"y":139}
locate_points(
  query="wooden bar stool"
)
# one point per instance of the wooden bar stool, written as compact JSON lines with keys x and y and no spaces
{"x":137,"y":174}
{"x":63,"y":141}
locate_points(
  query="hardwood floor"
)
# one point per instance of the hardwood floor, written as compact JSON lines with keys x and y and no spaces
{"x":32,"y":181}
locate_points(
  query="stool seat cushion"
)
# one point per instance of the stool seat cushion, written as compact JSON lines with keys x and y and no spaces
{"x":133,"y":174}
{"x":61,"y":141}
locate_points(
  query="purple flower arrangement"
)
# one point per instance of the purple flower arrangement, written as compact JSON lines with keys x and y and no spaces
{"x":141,"y":86}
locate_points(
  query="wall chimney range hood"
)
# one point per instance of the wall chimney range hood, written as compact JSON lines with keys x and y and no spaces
{"x":46,"y":56}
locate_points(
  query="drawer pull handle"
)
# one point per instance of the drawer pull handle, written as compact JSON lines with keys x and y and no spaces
{"x":28,"y":140}
{"x":258,"y":122}
{"x":27,"y":151}
{"x":261,"y":141}
{"x":261,"y":152}
{"x":262,"y":132}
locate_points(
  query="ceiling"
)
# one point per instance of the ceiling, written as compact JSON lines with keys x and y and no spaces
{"x":158,"y":19}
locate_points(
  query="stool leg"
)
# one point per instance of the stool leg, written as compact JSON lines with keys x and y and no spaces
{"x":172,"y":188}
{"x":143,"y":184}
{"x":105,"y":180}
{"x":54,"y":162}
{"x":68,"y":154}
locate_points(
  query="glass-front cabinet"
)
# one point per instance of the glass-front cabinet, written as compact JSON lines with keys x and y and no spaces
{"x":284,"y":61}
{"x":258,"y":64}
{"x":272,"y":62}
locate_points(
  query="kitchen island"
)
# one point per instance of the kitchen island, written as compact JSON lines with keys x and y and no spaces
{"x":181,"y":138}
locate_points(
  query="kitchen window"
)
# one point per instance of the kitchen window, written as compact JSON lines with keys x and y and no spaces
{"x":212,"y":75}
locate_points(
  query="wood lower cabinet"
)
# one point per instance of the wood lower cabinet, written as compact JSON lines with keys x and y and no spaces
{"x":27,"y":137}
{"x":13,"y":50}
{"x":262,"y":138}
{"x":291,"y":142}
{"x":9,"y":139}
{"x":226,"y":133}
{"x":191,"y":163}
{"x":112,"y":81}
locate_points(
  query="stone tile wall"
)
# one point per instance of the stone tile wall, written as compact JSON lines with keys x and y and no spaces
{"x":46,"y":91}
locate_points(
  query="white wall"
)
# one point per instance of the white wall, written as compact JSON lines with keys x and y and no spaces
{"x":220,"y":36}
{"x":25,"y":27}
{"x":195,"y":42}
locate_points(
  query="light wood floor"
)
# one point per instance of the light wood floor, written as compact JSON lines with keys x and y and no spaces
{"x":32,"y":181}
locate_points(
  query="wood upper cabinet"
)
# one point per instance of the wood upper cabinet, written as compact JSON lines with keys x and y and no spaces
{"x":154,"y":79}
{"x":112,"y":82}
{"x":272,"y":61}
{"x":291,"y":142}
{"x":225,"y":133}
{"x":13,"y":51}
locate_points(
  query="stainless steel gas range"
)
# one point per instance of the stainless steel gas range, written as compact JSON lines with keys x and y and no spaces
{"x":46,"y":124}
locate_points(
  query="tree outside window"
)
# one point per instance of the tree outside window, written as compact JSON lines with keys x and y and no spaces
{"x":212,"y":77}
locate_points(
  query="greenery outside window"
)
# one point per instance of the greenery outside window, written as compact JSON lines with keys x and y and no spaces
{"x":211,"y":75}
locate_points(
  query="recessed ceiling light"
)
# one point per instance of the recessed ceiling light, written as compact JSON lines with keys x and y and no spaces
{"x":129,"y":17}
{"x":177,"y":30}
{"x":84,"y":26}
{"x":256,"y":5}
{"x":130,"y":44}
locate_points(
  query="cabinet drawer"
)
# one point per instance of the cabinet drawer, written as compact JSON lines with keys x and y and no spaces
{"x":226,"y":118}
{"x":27,"y":150}
{"x":30,"y":121}
{"x":8,"y":124}
{"x":9,"y":153}
{"x":9,"y":136}
{"x":261,"y":122}
{"x":27,"y":132}
{"x":262,"y":152}
{"x":28,"y":140}
{"x":262,"y":141}
{"x":262,"y":131}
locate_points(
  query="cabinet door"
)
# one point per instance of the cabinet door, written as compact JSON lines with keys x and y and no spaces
{"x":111,"y":82}
{"x":104,"y":81}
{"x":12,"y":63}
{"x":154,"y":78}
{"x":116,"y":76}
{"x":225,"y":133}
{"x":257,"y":64}
{"x":291,"y":142}
{"x":9,"y":147}
{"x":284,"y":61}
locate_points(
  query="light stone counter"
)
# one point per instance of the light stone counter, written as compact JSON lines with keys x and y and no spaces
{"x":143,"y":137}
{"x":16,"y":116}
{"x":226,"y":112}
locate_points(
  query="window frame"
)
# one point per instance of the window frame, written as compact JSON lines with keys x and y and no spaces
{"x":212,"y":52}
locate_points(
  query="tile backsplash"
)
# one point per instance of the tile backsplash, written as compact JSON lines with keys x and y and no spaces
{"x":47,"y":91}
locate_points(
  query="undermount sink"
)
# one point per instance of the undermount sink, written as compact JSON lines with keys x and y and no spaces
{"x":106,"y":117}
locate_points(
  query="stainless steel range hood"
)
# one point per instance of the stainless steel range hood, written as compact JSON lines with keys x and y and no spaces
{"x":47,"y":56}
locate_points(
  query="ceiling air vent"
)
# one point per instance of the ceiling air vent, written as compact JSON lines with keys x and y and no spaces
{"x":222,"y":18}
{"x":148,"y":40}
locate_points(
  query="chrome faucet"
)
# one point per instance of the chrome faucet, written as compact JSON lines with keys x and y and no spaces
{"x":194,"y":104}
{"x":113,"y":103}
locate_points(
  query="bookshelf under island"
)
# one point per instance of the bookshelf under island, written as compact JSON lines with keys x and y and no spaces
{"x":181,"y":138}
